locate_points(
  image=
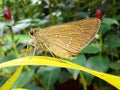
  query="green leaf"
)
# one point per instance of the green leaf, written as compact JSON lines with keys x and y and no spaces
{"x":109,"y":21}
{"x":22,"y":24}
{"x":113,"y":42}
{"x":88,"y":78}
{"x":18,"y":37}
{"x":75,"y":73}
{"x":2,"y":25}
{"x":98,"y":63}
{"x":106,"y":24}
{"x":6,"y":47}
{"x":91,"y":49}
{"x":34,"y":87}
{"x":50,"y":75}
{"x":64,"y":76}
{"x":104,"y":28}
{"x":10,"y":56}
{"x":23,"y":79}
{"x":81,"y":60}
{"x":115,"y":65}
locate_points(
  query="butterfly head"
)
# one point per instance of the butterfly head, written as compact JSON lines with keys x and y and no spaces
{"x":33,"y":32}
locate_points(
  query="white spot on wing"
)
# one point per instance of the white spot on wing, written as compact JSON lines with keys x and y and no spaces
{"x":68,"y":45}
{"x":56,"y":35}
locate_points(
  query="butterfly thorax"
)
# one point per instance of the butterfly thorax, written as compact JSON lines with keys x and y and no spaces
{"x":39,"y":38}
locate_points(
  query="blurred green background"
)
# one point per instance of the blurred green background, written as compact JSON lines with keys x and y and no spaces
{"x":103,"y":54}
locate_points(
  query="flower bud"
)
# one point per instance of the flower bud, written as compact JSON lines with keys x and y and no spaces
{"x":99,"y":14}
{"x":7,"y":13}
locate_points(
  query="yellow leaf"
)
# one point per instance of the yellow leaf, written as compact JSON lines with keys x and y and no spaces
{"x":48,"y":61}
{"x":20,"y":89}
{"x":12,"y":79}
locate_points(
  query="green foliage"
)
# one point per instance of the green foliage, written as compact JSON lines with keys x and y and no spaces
{"x":21,"y":81}
{"x":103,"y":54}
{"x":92,"y":49}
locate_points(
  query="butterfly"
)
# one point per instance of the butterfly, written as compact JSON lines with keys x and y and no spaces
{"x":66,"y":40}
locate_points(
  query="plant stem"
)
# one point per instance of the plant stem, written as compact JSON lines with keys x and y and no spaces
{"x":15,"y":48}
{"x":13,"y":42}
{"x":53,"y":20}
{"x":83,"y":81}
{"x":101,"y":42}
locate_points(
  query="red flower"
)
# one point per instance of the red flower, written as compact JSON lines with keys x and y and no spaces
{"x":7,"y":13}
{"x":99,"y":14}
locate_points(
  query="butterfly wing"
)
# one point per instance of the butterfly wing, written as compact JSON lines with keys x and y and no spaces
{"x":66,"y":40}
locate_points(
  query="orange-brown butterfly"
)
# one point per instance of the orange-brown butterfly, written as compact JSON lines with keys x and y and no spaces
{"x":66,"y":40}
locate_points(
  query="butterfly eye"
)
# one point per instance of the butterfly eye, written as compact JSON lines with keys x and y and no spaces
{"x":32,"y":32}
